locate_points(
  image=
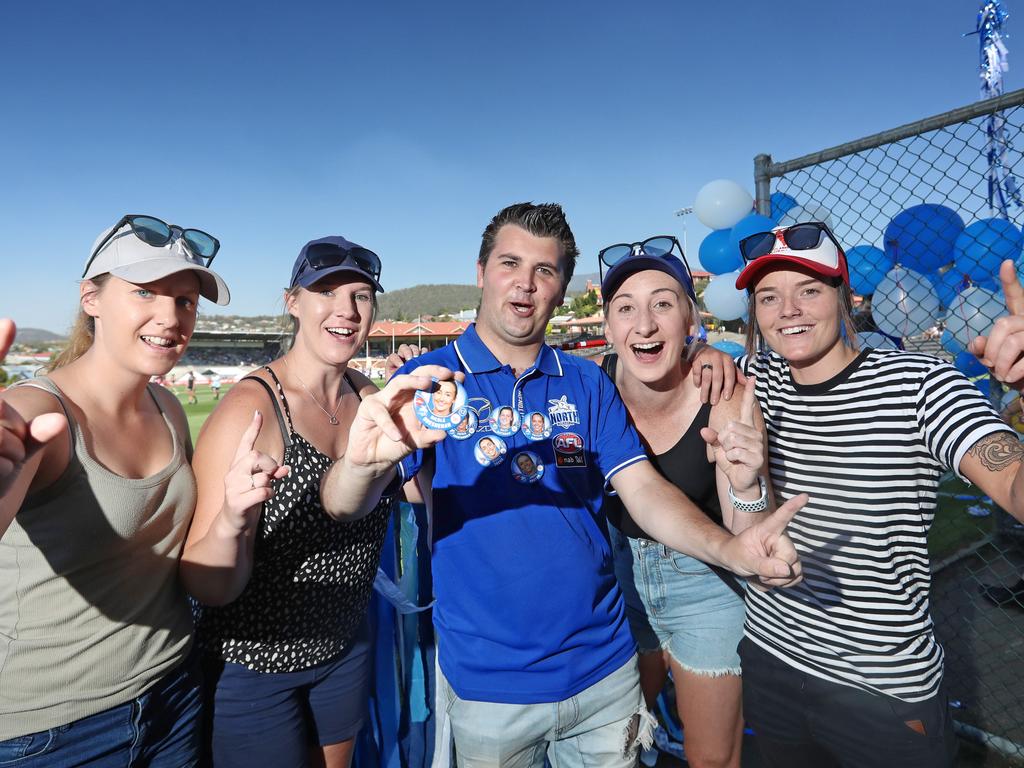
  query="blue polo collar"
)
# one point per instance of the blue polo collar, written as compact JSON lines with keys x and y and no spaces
{"x":477,"y":358}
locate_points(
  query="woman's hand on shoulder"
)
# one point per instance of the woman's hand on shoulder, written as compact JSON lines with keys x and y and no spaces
{"x":715,"y":374}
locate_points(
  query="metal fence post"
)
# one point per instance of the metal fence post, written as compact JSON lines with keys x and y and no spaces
{"x":762,"y":184}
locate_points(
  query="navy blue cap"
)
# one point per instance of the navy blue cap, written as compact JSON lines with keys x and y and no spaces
{"x":668,"y":263}
{"x":329,"y":255}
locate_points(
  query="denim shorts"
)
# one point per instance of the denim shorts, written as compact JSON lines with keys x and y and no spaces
{"x":161,"y":729}
{"x":270,"y":718}
{"x":677,"y":603}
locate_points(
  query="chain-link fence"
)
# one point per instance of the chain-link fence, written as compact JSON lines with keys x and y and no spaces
{"x":926,"y":213}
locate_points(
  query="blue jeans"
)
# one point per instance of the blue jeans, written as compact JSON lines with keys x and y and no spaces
{"x":677,"y":603}
{"x":602,"y":725}
{"x":159,"y":729}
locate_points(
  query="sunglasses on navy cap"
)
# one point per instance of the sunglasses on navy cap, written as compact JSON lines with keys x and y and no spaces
{"x":657,"y":247}
{"x":324,"y":255}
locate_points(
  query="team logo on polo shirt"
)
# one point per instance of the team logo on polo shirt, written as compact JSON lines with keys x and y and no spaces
{"x":527,"y":467}
{"x":563,"y":413}
{"x":570,"y":450}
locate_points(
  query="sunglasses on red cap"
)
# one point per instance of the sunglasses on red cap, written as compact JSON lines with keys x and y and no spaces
{"x":812,"y":239}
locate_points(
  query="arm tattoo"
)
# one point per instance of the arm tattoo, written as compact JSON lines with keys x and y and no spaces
{"x":998,"y":451}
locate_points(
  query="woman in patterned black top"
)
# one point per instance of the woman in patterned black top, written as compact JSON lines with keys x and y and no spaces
{"x":283,"y":587}
{"x":844,"y":669}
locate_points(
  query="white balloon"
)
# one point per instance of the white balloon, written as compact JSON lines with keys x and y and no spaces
{"x":904,"y":303}
{"x":809,"y":212}
{"x":875,"y":340}
{"x":972,"y":313}
{"x":722,"y":298}
{"x":721,"y":203}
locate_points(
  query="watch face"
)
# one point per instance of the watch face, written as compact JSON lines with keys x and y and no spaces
{"x":527,"y":467}
{"x":505,"y":421}
{"x":442,"y":407}
{"x":536,"y":426}
{"x":490,"y":451}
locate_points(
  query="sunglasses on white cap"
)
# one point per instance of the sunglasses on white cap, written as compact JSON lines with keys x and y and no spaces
{"x":811,"y":240}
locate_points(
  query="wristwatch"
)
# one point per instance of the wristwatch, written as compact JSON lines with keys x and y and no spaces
{"x":757,"y":505}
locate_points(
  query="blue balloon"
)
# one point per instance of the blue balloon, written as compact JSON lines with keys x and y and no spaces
{"x":868,"y":265}
{"x":716,"y":256}
{"x":950,"y":344}
{"x":969,"y":365}
{"x":922,"y":237}
{"x":948,"y":284}
{"x":730,"y":347}
{"x":984,"y":245}
{"x":747,"y":226}
{"x":984,"y":385}
{"x":781,"y":203}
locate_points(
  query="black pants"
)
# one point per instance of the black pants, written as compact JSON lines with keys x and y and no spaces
{"x":802,"y":721}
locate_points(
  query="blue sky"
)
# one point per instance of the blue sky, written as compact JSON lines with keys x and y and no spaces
{"x":406,"y":125}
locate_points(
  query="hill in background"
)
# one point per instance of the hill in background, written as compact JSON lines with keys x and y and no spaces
{"x":36,"y":336}
{"x":410,"y":303}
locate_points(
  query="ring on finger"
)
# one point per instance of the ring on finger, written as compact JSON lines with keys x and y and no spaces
{"x":707,"y":367}
{"x":252,"y":482}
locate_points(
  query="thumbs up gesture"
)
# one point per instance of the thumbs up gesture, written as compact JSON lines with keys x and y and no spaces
{"x":247,"y":485}
{"x":1002,"y":351}
{"x":739,"y":446}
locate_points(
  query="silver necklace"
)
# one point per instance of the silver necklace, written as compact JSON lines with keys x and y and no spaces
{"x":331,"y":416}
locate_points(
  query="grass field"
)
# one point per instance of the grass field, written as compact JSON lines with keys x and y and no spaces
{"x":953,"y":529}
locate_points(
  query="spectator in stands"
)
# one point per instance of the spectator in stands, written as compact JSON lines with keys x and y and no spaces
{"x":95,"y":628}
{"x":283,"y":586}
{"x":844,"y":669}
{"x":686,"y":616}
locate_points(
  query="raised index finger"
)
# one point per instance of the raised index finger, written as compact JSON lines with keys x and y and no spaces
{"x":248,"y":441}
{"x":6,"y":336}
{"x":1012,"y":288}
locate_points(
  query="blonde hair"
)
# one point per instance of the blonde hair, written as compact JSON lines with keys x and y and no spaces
{"x":848,"y":333}
{"x":83,"y":331}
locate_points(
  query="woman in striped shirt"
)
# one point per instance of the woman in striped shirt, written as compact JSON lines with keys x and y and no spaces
{"x":844,"y":668}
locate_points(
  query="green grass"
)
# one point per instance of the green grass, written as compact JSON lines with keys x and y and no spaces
{"x":198,"y":412}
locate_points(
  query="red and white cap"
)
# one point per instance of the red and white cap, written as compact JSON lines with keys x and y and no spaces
{"x":826,"y":259}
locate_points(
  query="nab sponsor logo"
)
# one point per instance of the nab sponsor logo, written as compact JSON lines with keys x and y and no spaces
{"x":568,"y":443}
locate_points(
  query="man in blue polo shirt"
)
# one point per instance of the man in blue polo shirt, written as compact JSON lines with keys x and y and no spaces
{"x":533,"y":644}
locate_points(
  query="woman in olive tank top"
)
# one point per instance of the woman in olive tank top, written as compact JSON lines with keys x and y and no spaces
{"x":685,"y":616}
{"x":95,"y":629}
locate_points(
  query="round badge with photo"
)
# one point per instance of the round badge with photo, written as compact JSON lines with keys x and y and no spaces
{"x":490,"y":451}
{"x":465,"y":428}
{"x":442,"y":407}
{"x":536,"y":426}
{"x":527,"y":467}
{"x":505,"y":421}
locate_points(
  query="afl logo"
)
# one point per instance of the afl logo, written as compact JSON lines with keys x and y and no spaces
{"x":568,"y":443}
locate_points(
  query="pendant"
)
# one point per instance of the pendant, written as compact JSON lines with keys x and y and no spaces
{"x":334,"y":421}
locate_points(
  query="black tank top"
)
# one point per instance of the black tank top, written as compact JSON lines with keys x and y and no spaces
{"x":312,"y":576}
{"x":685,"y":465}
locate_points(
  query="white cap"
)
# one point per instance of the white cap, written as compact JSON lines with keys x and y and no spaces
{"x":129,"y":258}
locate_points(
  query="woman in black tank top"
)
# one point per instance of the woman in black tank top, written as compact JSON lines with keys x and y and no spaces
{"x":685,"y":616}
{"x":282,"y":586}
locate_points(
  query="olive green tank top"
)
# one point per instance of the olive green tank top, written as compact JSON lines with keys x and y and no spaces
{"x":91,"y":610}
